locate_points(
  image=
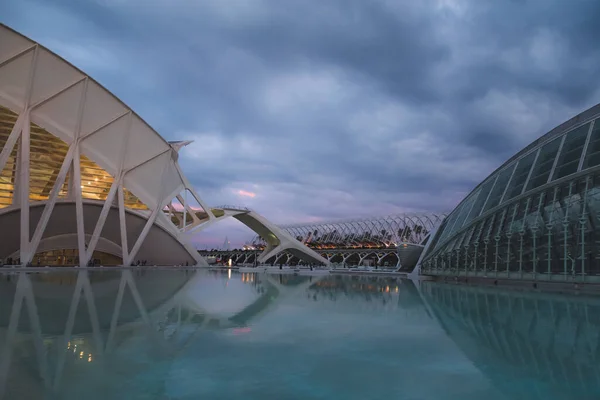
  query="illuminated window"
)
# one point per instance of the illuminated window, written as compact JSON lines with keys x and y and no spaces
{"x":46,"y":158}
{"x":7,"y":175}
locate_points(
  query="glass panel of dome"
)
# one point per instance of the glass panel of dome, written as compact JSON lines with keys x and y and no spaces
{"x":451,"y":220}
{"x":481,"y":199}
{"x":464,"y":212}
{"x":568,"y":161}
{"x":543,"y":164}
{"x":592,"y":156}
{"x":500,"y":187}
{"x":520,"y":176}
{"x":438,"y":235}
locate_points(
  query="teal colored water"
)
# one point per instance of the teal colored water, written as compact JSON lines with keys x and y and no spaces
{"x":160,"y":334}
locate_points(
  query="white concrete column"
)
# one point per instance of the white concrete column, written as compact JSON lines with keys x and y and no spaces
{"x":49,"y":207}
{"x":123,"y":225}
{"x":101,"y":220}
{"x":79,"y":205}
{"x":23,"y":188}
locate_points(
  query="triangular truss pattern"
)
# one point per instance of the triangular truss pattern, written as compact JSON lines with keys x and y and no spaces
{"x":185,"y":211}
{"x":67,"y":139}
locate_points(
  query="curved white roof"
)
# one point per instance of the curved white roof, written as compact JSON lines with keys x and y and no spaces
{"x":41,"y":87}
{"x":72,"y":106}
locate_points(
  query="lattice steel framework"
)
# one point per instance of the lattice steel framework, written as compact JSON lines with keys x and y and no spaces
{"x":377,"y":232}
{"x":536,"y":217}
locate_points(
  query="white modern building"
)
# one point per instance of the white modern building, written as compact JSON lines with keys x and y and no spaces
{"x":84,"y":179}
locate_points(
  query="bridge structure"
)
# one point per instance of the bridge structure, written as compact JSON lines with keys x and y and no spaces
{"x":275,"y":240}
{"x":393,"y":240}
{"x":340,"y":256}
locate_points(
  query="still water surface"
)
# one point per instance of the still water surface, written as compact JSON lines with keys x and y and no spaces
{"x":160,"y":334}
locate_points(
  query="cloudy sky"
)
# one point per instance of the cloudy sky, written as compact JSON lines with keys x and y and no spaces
{"x":311,"y":110}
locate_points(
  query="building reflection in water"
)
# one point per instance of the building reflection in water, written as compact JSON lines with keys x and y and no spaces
{"x":103,"y":334}
{"x":63,"y":333}
{"x":530,"y":345}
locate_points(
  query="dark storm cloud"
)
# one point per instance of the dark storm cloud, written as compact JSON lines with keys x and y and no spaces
{"x":364,"y":37}
{"x":335,"y":108}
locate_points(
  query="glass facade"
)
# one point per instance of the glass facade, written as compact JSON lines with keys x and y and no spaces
{"x":46,"y":158}
{"x":538,"y":217}
{"x":543,"y":165}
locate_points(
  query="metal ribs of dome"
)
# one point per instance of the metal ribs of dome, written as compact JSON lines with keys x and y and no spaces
{"x":537,"y":213}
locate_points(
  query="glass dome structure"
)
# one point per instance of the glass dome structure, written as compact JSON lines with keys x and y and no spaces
{"x":536,"y":217}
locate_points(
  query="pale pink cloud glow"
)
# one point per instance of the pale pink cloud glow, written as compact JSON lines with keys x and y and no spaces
{"x":246,"y":193}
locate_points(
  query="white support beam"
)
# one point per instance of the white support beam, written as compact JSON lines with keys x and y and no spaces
{"x":173,"y":213}
{"x":101,"y":220}
{"x":185,"y":211}
{"x":17,"y":55}
{"x":79,"y":204}
{"x":120,"y":196}
{"x":143,"y":234}
{"x":188,"y":210}
{"x":57,"y":93}
{"x":147,"y":160}
{"x":23,"y":188}
{"x":49,"y":207}
{"x":71,"y":185}
{"x":123,"y":225}
{"x":77,"y":183}
{"x":15,"y":133}
{"x":189,"y":187}
{"x":160,"y":203}
{"x":83,"y":136}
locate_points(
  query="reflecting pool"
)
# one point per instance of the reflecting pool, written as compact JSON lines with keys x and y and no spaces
{"x":185,"y":334}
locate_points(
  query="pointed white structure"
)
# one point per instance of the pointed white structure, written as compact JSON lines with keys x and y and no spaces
{"x":83,"y":178}
{"x":226,"y":244}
